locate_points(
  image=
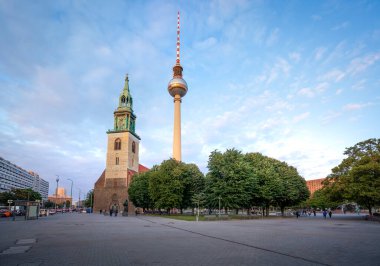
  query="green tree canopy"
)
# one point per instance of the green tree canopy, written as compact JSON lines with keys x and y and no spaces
{"x":278,"y":183}
{"x":20,"y":194}
{"x":89,"y":201}
{"x":230,"y":179}
{"x":357,"y":177}
{"x":139,"y":190}
{"x":165,"y":186}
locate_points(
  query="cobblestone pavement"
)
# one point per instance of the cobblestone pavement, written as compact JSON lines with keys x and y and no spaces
{"x":93,"y":239}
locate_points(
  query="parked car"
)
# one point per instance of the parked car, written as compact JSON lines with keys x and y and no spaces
{"x":5,"y":213}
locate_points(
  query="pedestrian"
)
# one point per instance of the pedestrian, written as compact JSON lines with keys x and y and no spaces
{"x":314,"y":212}
{"x":100,"y":211}
{"x":111,"y":211}
{"x":330,"y":214}
{"x":297,"y":214}
{"x":324,"y":214}
{"x":116,"y":211}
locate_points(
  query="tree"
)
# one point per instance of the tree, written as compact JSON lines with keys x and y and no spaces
{"x":5,"y":196}
{"x":48,"y":204}
{"x":229,"y":180}
{"x":291,"y":188}
{"x":277,"y":183}
{"x":193,"y":183}
{"x":357,"y":177}
{"x":20,"y":194}
{"x":320,"y":199}
{"x":89,"y":198}
{"x":165,"y":185}
{"x":139,"y":191}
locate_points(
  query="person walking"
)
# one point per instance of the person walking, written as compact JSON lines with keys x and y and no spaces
{"x":314,"y":212}
{"x":297,"y":214}
{"x":111,"y":211}
{"x":116,"y":211}
{"x":330,"y":214}
{"x":324,"y":214}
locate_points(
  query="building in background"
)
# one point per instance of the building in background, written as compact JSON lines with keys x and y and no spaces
{"x":60,"y":197}
{"x":13,"y":176}
{"x":314,"y":185}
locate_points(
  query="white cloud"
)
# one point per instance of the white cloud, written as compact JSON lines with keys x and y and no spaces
{"x":334,"y":75}
{"x":330,"y":116}
{"x":306,"y":92}
{"x":319,"y":52}
{"x":340,"y":26}
{"x":296,"y":57}
{"x":206,"y":44}
{"x":338,"y":91}
{"x":355,"y":106}
{"x":301,"y":117}
{"x":360,"y":64}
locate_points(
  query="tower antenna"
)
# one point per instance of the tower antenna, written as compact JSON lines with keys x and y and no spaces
{"x":178,"y":42}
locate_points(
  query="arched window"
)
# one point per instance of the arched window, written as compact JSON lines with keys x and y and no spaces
{"x":117,"y":144}
{"x":123,"y":99}
{"x":133,"y":147}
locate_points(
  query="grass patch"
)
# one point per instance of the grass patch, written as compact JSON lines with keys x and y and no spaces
{"x":192,"y":218}
{"x":180,"y":217}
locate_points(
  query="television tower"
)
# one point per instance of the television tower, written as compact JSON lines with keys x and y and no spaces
{"x":177,"y":88}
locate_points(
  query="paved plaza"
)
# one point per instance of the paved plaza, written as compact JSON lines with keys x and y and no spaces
{"x":94,"y":239}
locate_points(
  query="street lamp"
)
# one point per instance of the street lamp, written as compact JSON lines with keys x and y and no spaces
{"x":56,"y":193}
{"x":219,"y":205}
{"x":79,"y":198}
{"x":71,"y":193}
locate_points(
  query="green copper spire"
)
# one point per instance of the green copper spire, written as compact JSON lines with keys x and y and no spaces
{"x":125,"y":99}
{"x":124,"y":118}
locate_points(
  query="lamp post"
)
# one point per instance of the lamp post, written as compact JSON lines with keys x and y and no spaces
{"x":71,"y":193}
{"x":219,"y":206}
{"x":79,"y":198}
{"x":56,"y":193}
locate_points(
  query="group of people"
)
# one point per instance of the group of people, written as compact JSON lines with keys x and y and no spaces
{"x":113,"y":210}
{"x":325,"y":213}
{"x":308,"y":213}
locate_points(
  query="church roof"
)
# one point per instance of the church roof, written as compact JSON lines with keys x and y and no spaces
{"x":143,"y":169}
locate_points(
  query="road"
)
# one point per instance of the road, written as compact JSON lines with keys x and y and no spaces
{"x":94,"y":239}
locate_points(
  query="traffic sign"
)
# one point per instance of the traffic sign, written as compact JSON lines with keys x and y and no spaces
{"x":10,"y":201}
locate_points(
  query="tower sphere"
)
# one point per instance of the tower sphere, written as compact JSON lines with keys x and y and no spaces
{"x":177,"y":86}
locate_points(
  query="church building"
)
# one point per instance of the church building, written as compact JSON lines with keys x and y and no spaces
{"x":122,"y":162}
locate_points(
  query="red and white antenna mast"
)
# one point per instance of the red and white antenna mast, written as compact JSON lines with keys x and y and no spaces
{"x":178,"y":43}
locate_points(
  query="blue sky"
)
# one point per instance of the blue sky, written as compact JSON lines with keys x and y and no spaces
{"x":295,"y":80}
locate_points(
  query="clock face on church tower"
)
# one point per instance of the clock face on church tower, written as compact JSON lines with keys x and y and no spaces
{"x":121,"y":122}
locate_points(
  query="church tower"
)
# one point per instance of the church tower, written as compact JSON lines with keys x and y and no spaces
{"x":177,"y":88}
{"x":123,"y":142}
{"x":122,"y":162}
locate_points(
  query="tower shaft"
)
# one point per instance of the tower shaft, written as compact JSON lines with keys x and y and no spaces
{"x":177,"y":128}
{"x":177,"y":88}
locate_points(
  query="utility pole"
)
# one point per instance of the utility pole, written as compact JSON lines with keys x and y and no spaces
{"x":79,"y":199}
{"x":56,"y":193}
{"x":219,"y":207}
{"x":71,"y":193}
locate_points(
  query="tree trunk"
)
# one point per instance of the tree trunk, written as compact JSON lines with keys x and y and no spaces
{"x":369,"y":206}
{"x":267,"y":210}
{"x":181,"y":211}
{"x":236,"y":211}
{"x":248,"y":211}
{"x":282,"y":211}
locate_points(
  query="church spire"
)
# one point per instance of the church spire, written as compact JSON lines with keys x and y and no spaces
{"x":125,"y":99}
